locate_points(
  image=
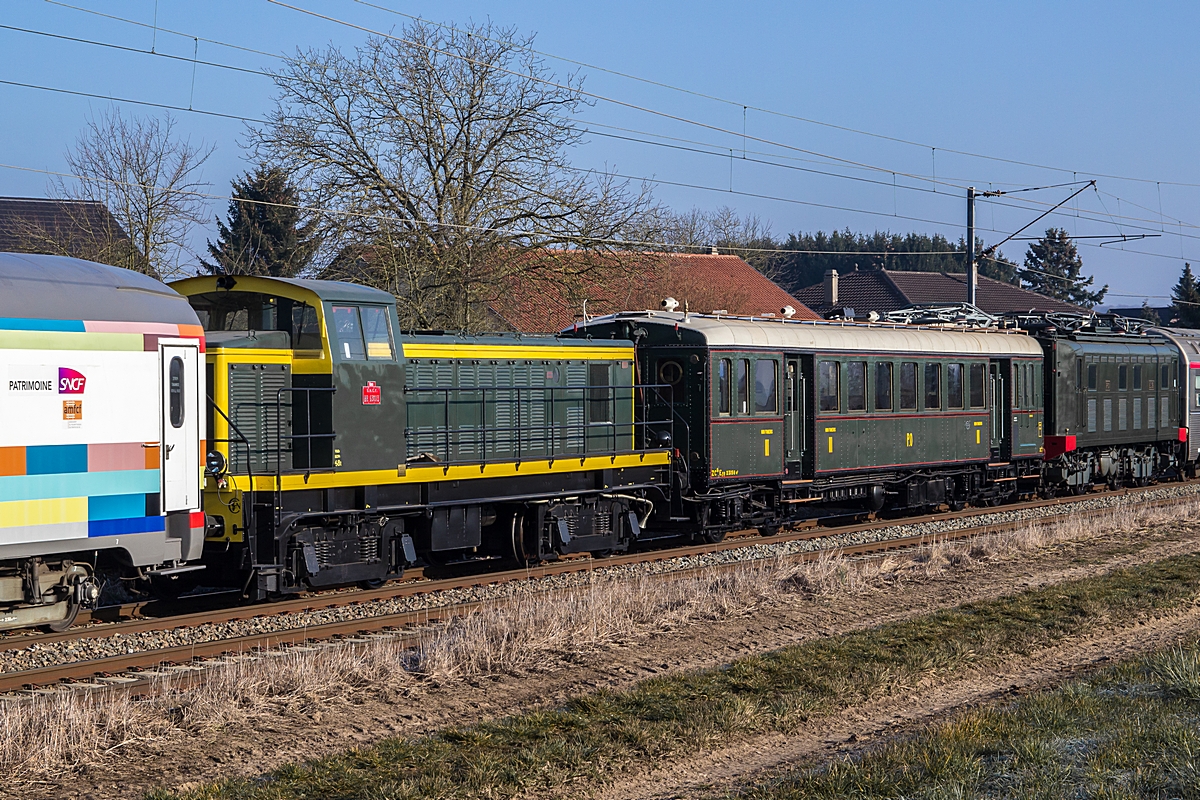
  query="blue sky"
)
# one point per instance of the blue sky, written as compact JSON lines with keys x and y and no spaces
{"x":1085,"y":90}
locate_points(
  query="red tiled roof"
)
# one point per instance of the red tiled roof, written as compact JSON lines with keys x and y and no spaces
{"x":27,"y":224}
{"x":538,"y":303}
{"x":890,"y":290}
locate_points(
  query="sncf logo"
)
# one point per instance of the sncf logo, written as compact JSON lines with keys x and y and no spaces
{"x":70,"y":381}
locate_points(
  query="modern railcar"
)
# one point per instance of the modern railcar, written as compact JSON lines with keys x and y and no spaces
{"x":102,"y":445}
{"x":345,"y":449}
{"x":778,"y":420}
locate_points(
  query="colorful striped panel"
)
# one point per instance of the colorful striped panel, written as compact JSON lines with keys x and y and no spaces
{"x":116,"y":527}
{"x":124,"y":455}
{"x":75,"y":484}
{"x":107,"y":326}
{"x":59,"y":340}
{"x":12,"y":461}
{"x":18,"y":324}
{"x":43,"y":512}
{"x":116,"y":506}
{"x":49,"y":459}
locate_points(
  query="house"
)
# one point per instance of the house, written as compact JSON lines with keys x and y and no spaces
{"x":883,"y":290}
{"x":541,"y":302}
{"x":76,"y":228}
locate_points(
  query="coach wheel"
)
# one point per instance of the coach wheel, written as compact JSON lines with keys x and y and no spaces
{"x":602,"y":553}
{"x":768,"y":530}
{"x":957,"y":505}
{"x":73,"y":607}
{"x":712,"y":537}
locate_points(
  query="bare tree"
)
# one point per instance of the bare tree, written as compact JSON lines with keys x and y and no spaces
{"x":700,"y":231}
{"x":148,"y":178}
{"x":439,"y":159}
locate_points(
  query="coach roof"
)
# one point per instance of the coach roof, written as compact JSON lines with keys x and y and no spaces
{"x":780,"y":334}
{"x":61,"y":288}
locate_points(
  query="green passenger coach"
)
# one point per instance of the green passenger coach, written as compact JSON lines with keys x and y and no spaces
{"x":780,"y":419}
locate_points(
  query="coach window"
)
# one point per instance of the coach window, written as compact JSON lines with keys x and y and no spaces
{"x":1091,"y":377}
{"x":724,"y":401}
{"x":766,"y":400}
{"x":908,"y":385}
{"x":954,"y":386}
{"x":1137,"y":378}
{"x":349,"y":333}
{"x":1122,"y":377}
{"x":978,"y":371}
{"x":883,"y":386}
{"x":933,"y":387}
{"x":828,"y":386}
{"x":856,"y":386}
{"x":743,"y":385}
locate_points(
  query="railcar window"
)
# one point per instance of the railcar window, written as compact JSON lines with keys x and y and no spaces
{"x":1078,"y":373}
{"x":377,"y":330}
{"x":1166,"y":377}
{"x":1091,"y":377}
{"x":743,"y":385}
{"x":175,"y":390}
{"x":828,"y":386}
{"x":977,"y":381}
{"x":1137,"y":377}
{"x":908,"y":385}
{"x":724,"y":370}
{"x":766,"y":400}
{"x":349,"y":333}
{"x":1122,"y":377}
{"x":933,"y":386}
{"x":856,"y":386}
{"x":883,"y":386}
{"x":954,"y":385}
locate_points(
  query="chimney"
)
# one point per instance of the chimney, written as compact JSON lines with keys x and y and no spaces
{"x":831,"y":287}
{"x":715,"y":251}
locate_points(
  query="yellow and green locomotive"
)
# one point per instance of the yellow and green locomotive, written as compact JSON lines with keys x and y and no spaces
{"x":343,"y":450}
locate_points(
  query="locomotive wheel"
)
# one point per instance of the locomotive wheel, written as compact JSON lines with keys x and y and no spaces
{"x":517,"y":539}
{"x":712,"y":537}
{"x":602,"y":553}
{"x":374,"y":583}
{"x":766,"y":530}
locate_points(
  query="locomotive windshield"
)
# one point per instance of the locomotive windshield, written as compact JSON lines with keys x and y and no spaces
{"x":252,"y":311}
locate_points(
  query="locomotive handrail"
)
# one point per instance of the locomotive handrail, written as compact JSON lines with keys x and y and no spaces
{"x":575,"y":437}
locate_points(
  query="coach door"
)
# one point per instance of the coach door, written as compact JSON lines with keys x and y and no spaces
{"x":180,"y":415}
{"x":1001,"y":409}
{"x":794,"y":394}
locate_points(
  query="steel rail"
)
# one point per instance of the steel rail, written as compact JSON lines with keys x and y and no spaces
{"x":185,"y":654}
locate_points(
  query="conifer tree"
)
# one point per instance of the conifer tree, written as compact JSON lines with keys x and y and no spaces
{"x":1185,"y":297}
{"x":266,"y":234}
{"x":1052,"y":268}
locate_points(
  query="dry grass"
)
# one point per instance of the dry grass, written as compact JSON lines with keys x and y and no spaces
{"x":46,"y":735}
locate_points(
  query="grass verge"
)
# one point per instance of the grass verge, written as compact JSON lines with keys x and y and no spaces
{"x":594,"y":738}
{"x":1131,"y":731}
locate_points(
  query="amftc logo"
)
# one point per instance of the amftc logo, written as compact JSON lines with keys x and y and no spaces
{"x":70,"y":381}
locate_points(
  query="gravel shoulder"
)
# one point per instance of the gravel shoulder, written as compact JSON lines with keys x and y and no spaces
{"x":295,"y":734}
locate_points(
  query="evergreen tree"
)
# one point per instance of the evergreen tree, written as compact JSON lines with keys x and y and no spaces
{"x":1149,"y":314}
{"x":847,"y":251}
{"x":1052,"y":268}
{"x":266,"y":234}
{"x":1186,"y":299}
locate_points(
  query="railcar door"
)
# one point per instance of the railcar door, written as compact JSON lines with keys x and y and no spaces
{"x":1001,"y":410}
{"x":795,"y":392}
{"x":179,"y":456}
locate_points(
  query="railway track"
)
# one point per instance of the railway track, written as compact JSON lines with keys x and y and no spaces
{"x":138,"y":669}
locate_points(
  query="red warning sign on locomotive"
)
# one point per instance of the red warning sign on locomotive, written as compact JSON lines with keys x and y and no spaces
{"x":372,"y":396}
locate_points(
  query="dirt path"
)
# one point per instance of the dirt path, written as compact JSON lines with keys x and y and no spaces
{"x":292,"y":736}
{"x":871,"y":724}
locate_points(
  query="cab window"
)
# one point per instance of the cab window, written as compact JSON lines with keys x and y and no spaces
{"x":377,"y":331}
{"x":348,"y":329}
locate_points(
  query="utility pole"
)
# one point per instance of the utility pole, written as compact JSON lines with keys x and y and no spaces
{"x":972,"y":269}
